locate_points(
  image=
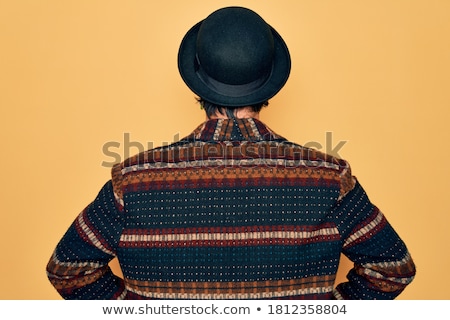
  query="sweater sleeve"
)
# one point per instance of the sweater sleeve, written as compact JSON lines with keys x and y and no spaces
{"x":78,"y":267}
{"x":383,"y":266}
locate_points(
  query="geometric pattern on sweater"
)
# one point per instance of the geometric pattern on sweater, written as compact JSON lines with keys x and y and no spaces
{"x":232,"y":211}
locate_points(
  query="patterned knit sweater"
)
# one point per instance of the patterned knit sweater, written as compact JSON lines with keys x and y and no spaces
{"x":232,"y":211}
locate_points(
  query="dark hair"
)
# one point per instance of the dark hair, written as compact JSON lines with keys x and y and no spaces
{"x":211,"y":109}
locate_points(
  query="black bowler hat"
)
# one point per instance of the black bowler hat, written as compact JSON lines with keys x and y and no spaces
{"x":233,"y":58}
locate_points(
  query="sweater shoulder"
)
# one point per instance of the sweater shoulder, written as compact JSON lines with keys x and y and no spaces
{"x":117,"y":183}
{"x":315,"y":158}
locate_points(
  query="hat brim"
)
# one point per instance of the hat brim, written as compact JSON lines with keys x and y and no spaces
{"x":277,"y":79}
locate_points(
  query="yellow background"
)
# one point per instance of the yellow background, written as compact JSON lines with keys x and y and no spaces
{"x":75,"y":75}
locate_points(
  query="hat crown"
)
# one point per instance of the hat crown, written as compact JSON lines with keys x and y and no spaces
{"x":235,"y":46}
{"x":233,"y":58}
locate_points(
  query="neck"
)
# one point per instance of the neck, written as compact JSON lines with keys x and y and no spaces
{"x":239,"y":113}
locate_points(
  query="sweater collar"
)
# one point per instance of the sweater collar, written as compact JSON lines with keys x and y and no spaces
{"x":247,"y":129}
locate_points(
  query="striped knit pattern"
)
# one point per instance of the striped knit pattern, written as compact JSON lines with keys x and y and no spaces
{"x":256,"y":217}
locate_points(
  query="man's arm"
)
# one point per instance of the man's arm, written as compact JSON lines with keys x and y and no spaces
{"x":383,"y":267}
{"x":78,"y":268}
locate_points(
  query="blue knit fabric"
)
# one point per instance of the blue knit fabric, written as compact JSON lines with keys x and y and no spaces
{"x":211,"y":217}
